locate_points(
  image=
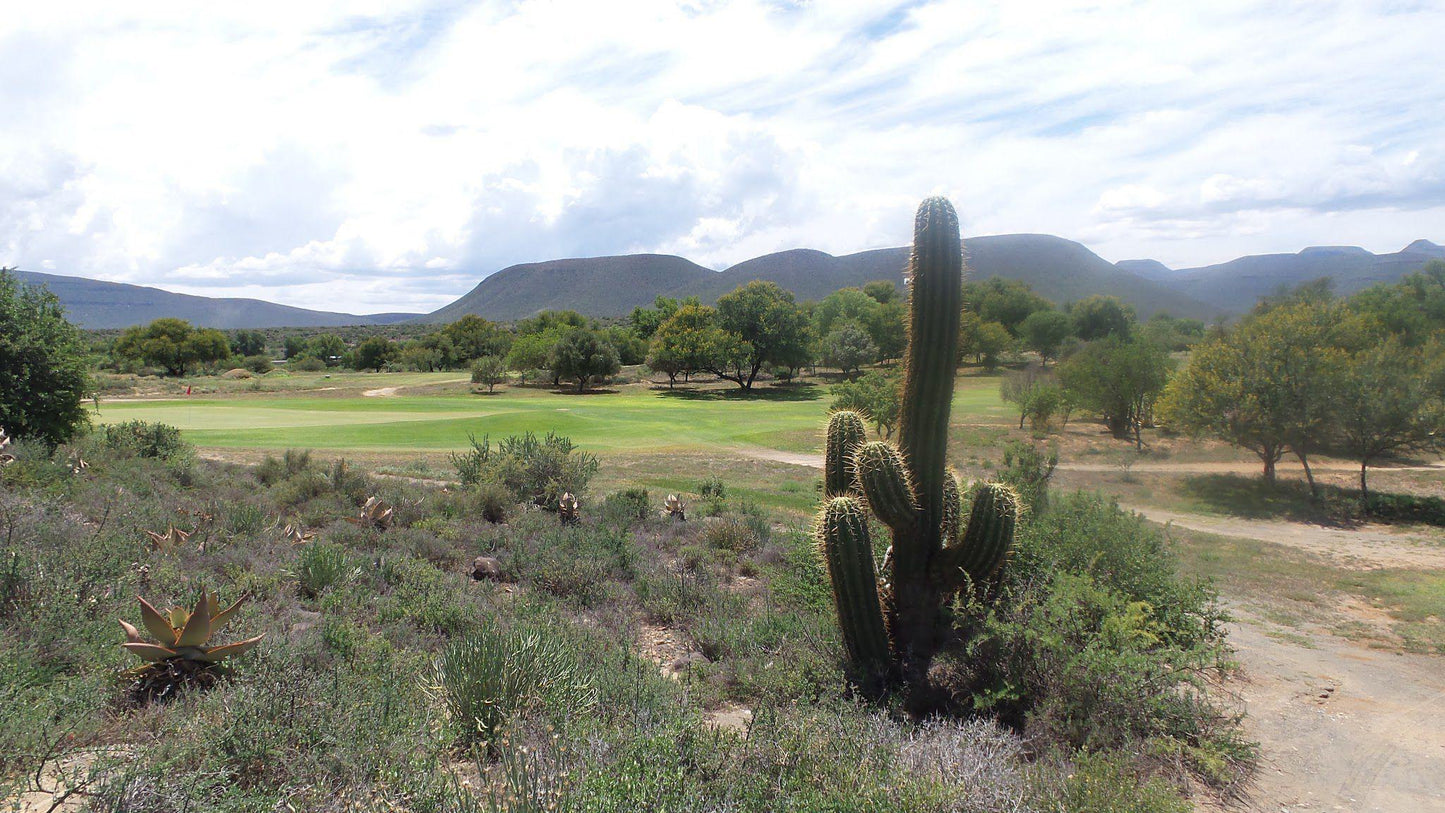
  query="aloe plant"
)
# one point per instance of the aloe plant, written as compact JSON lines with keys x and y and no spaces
{"x":893,"y":626}
{"x":181,"y":652}
{"x":569,"y":511}
{"x":675,"y":508}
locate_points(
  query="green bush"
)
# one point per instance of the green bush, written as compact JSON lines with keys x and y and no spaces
{"x":536,"y":470}
{"x":144,"y":439}
{"x":258,"y":364}
{"x":486,"y":679}
{"x":627,"y":506}
{"x":320,"y":566}
{"x":306,"y":364}
{"x":1028,"y":469}
{"x":1108,"y":784}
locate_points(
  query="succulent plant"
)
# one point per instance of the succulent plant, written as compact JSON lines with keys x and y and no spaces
{"x":5,"y":458}
{"x":297,"y":534}
{"x":374,"y":514}
{"x":893,"y":626}
{"x":172,"y":539}
{"x":675,"y":508}
{"x":78,"y":465}
{"x":181,"y":653}
{"x":568,"y":509}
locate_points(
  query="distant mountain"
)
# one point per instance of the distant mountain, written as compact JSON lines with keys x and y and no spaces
{"x":1058,"y":269}
{"x":1235,"y":286}
{"x":595,"y":286}
{"x":97,"y":305}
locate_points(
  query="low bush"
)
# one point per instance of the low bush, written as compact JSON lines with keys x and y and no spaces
{"x":535,"y":470}
{"x":145,"y":439}
{"x":627,"y":506}
{"x":319,"y":566}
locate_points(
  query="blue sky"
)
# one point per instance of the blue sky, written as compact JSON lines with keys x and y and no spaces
{"x":371,"y":156}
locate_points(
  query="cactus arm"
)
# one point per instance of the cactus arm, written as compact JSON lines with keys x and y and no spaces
{"x":952,"y":508}
{"x":842,"y":536}
{"x":984,"y":547}
{"x":845,"y":434}
{"x":936,"y":303}
{"x":885,"y":481}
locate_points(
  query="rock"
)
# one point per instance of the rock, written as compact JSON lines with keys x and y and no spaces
{"x":486,"y":567}
{"x":682,"y":662}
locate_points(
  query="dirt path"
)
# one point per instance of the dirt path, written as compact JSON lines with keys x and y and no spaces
{"x":1341,"y":727}
{"x":1365,"y":547}
{"x":1233,"y":467}
{"x":380,"y":392}
{"x":806,"y":459}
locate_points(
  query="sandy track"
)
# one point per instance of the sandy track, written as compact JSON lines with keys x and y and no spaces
{"x":1341,"y":727}
{"x":1364,"y":547}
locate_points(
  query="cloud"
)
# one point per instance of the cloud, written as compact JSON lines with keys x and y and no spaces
{"x":379,"y":155}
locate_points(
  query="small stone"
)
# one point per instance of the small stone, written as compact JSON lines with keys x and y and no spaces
{"x":486,"y":567}
{"x":682,"y":662}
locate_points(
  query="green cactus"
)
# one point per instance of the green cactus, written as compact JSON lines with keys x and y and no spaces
{"x":909,"y":488}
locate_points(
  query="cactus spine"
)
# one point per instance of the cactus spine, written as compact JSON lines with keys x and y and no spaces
{"x":935,"y":550}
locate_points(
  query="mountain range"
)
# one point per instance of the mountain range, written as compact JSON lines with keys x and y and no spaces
{"x":97,"y":305}
{"x":1058,"y":269}
{"x":1235,"y":286}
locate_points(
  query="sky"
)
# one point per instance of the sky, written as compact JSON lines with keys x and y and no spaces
{"x":381,"y":155}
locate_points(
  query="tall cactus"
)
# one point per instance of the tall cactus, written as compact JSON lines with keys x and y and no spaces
{"x":891,"y":631}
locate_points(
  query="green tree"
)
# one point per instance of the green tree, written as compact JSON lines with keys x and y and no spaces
{"x":873,"y":395}
{"x":984,"y":341}
{"x":583,"y":355}
{"x":1096,"y":317}
{"x":646,"y":321}
{"x":375,"y":353}
{"x":848,"y":347}
{"x":1413,"y":308}
{"x":248,"y":343}
{"x":327,"y":347}
{"x":43,"y":378}
{"x":473,"y":337}
{"x":1267,"y":386}
{"x":1005,"y":301}
{"x":489,"y":370}
{"x":883,"y":292}
{"x":172,"y":344}
{"x":1383,"y":405}
{"x":768,"y":326}
{"x":686,"y":342}
{"x":1119,"y":378}
{"x":531,"y":351}
{"x":1044,"y":331}
{"x":631,"y":348}
{"x":1035,"y":392}
{"x":294,"y":346}
{"x":1171,"y":333}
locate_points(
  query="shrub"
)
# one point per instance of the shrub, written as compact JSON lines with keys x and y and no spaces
{"x":1028,"y":469}
{"x":489,"y":678}
{"x":731,"y":534}
{"x":714,"y":492}
{"x":873,"y":395}
{"x":257,"y":364}
{"x":306,"y":364}
{"x":1107,"y":784}
{"x":536,"y":470}
{"x":493,"y":500}
{"x":292,"y":462}
{"x":627,"y":506}
{"x":144,"y":439}
{"x":320,"y":566}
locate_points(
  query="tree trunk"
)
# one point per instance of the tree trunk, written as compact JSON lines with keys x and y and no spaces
{"x":1268,"y":467}
{"x":1309,"y":475}
{"x":1364,"y":486}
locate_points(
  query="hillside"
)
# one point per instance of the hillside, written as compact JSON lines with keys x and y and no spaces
{"x":1059,"y":269}
{"x":1236,"y":285}
{"x":96,"y":305}
{"x":595,"y":286}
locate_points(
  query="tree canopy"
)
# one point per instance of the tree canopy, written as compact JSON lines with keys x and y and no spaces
{"x":173,"y":345}
{"x":43,"y":378}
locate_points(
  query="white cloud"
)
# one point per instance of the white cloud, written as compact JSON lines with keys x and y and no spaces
{"x":376,"y":156}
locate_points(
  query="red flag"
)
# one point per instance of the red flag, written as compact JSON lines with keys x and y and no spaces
{"x":188,"y":389}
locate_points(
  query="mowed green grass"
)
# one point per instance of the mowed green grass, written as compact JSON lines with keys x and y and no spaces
{"x":633,"y":418}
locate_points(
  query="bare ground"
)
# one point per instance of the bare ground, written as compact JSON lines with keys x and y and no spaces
{"x":1341,"y":726}
{"x":1364,"y":547}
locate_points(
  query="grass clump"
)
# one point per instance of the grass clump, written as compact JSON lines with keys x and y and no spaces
{"x":534,"y":470}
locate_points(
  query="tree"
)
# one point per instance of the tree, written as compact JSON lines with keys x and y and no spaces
{"x":768,"y":326}
{"x":531,"y":352}
{"x":1413,"y":308}
{"x":1096,"y":317}
{"x":489,"y":370}
{"x":172,"y":344}
{"x":984,"y":341}
{"x":1036,"y":394}
{"x":583,"y":354}
{"x":473,"y":337}
{"x":375,"y":353}
{"x":1043,"y":332}
{"x":1119,"y":378}
{"x":1173,"y":334}
{"x":1384,"y":406}
{"x":631,"y":348}
{"x":248,"y":343}
{"x":882,"y":291}
{"x":848,"y":348}
{"x":43,"y":378}
{"x":294,"y":346}
{"x":646,"y":321}
{"x":873,"y":395}
{"x":1006,"y":301}
{"x":1267,"y":386}
{"x":687,"y":342}
{"x":327,"y":347}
